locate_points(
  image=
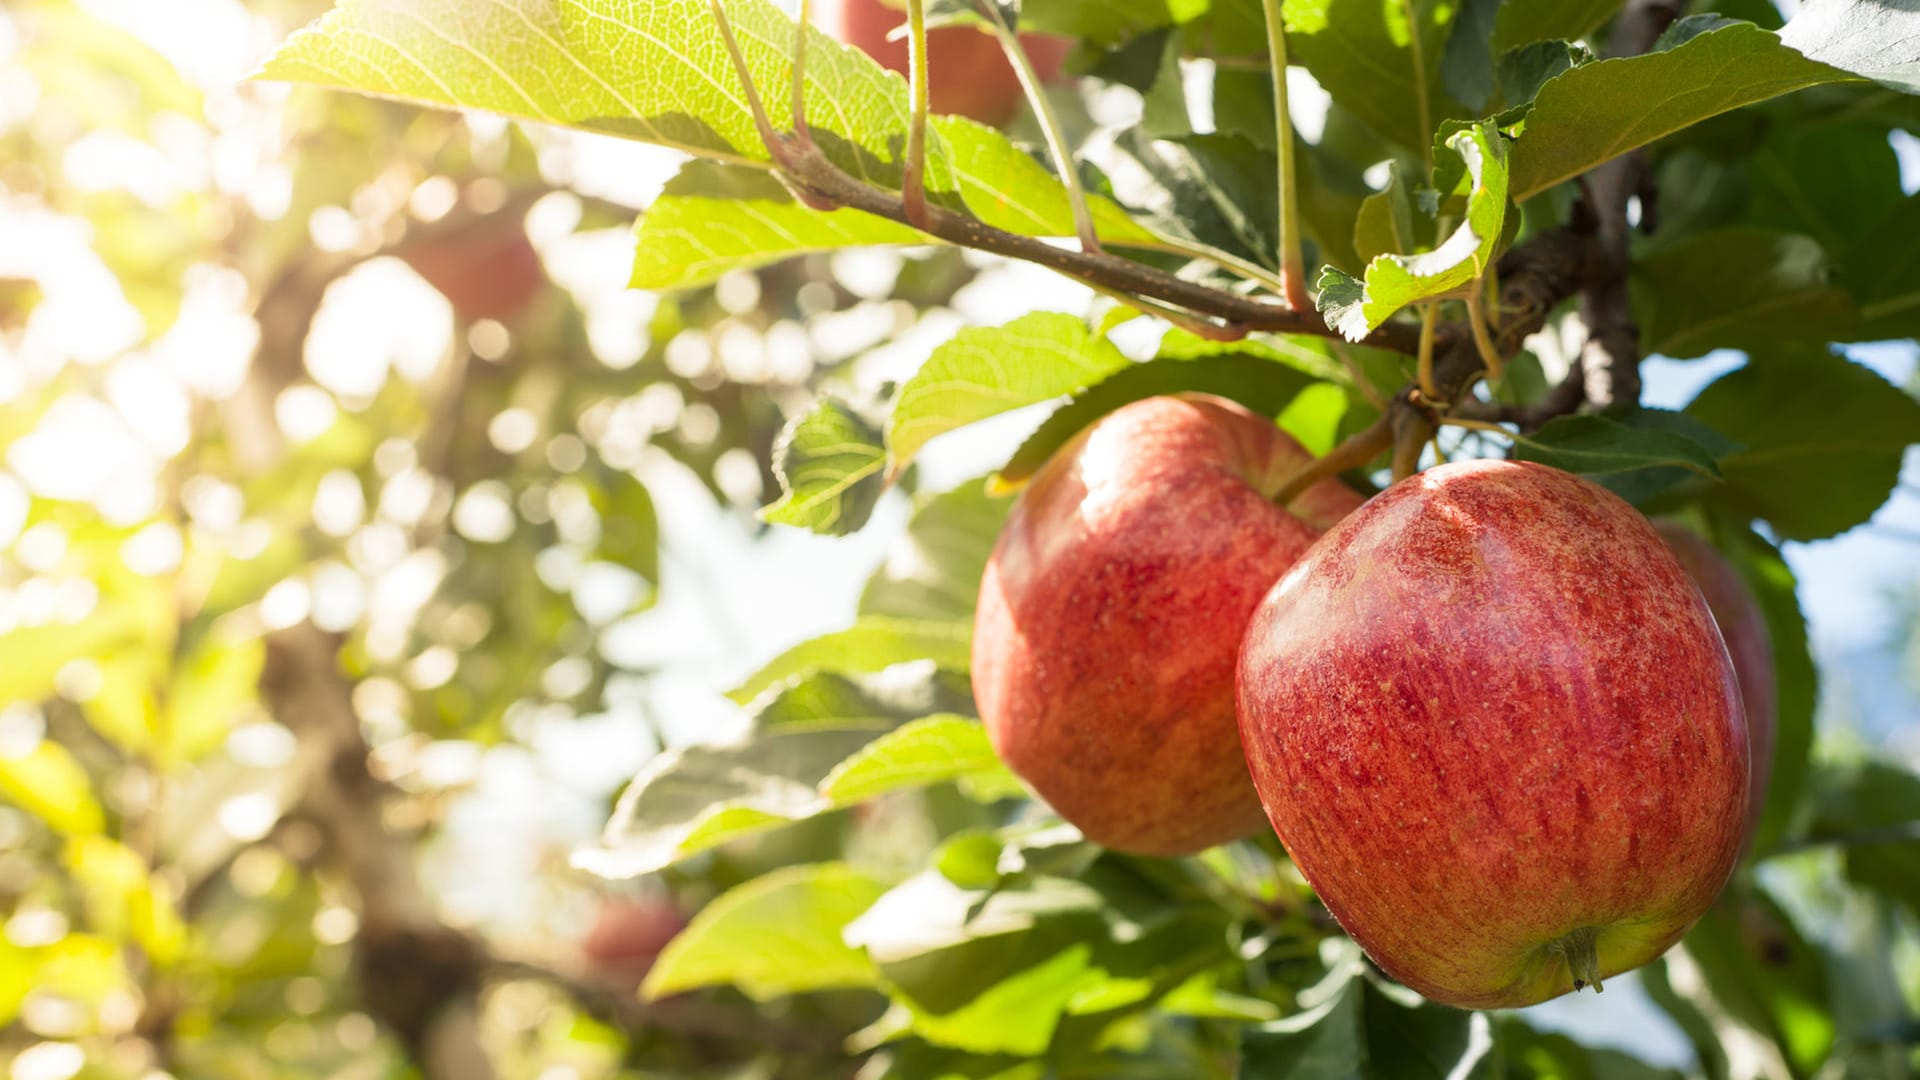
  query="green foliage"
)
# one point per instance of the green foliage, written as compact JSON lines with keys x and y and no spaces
{"x":210,"y":831}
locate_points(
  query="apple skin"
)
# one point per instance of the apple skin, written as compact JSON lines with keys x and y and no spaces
{"x":970,"y":75}
{"x":1744,"y":629}
{"x":1111,"y":613}
{"x":1489,"y":717}
{"x":487,"y":270}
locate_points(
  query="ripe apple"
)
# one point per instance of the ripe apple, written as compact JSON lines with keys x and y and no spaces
{"x":970,"y":76}
{"x":1744,"y":628}
{"x":1494,"y":724}
{"x":486,"y":270}
{"x":1112,"y":609}
{"x":627,"y":936}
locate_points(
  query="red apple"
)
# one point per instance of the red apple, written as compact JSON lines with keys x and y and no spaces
{"x":970,"y":75}
{"x":1112,"y":609}
{"x":1744,"y":628}
{"x":627,"y":936}
{"x":486,"y":270}
{"x":1494,"y":724}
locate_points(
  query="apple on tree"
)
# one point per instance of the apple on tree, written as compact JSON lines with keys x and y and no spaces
{"x":968,"y":73}
{"x":1744,"y":628}
{"x":1495,"y":726}
{"x":1112,"y":609}
{"x":487,"y":269}
{"x":626,"y":938}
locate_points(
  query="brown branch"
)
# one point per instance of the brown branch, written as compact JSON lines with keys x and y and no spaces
{"x":1611,"y":355}
{"x":418,"y":977}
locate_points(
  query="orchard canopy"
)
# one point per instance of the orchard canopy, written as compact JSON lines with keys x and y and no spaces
{"x":495,"y":497}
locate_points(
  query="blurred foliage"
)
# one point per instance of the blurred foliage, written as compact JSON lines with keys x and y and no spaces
{"x":340,"y":468}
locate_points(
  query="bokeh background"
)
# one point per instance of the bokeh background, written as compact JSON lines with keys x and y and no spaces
{"x":284,"y":372}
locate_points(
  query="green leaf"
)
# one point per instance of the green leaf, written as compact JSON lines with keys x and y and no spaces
{"x":657,"y":72}
{"x":1761,"y":974}
{"x":773,"y":936}
{"x":1394,"y":281}
{"x":713,"y":217}
{"x":1382,"y":61}
{"x":694,"y":798}
{"x":829,"y":462}
{"x":1523,"y":22}
{"x":1251,"y":379}
{"x":1873,"y":38}
{"x":872,"y":643}
{"x":1601,"y":110}
{"x":1884,"y":274}
{"x":1635,"y":462}
{"x":629,"y":524}
{"x":1871,"y":810}
{"x":123,"y":899}
{"x":930,"y":750}
{"x":1823,"y":440}
{"x":1737,"y":288}
{"x":50,"y":784}
{"x":934,"y":570}
{"x":1387,"y":221}
{"x":214,"y":686}
{"x":1364,"y":1032}
{"x":985,"y":371}
{"x":1466,"y":69}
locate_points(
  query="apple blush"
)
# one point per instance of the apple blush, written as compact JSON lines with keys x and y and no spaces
{"x":1495,"y":726}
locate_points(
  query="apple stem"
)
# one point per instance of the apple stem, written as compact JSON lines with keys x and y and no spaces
{"x":1580,"y":950}
{"x":1352,"y":454}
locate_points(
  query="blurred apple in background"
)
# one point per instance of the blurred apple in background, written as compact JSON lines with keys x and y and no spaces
{"x":486,"y":270}
{"x":627,"y":937}
{"x":1744,"y":628}
{"x":970,"y":75}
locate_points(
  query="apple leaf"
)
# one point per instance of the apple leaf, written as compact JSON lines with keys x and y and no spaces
{"x":871,"y":644}
{"x":657,"y":72}
{"x":1690,"y":305}
{"x":1252,"y":379}
{"x":930,"y":750}
{"x":1466,"y":68}
{"x":1381,"y":61}
{"x":1523,"y":22}
{"x":1874,"y":38}
{"x":1637,"y":456}
{"x":1387,"y":219}
{"x":713,"y":217}
{"x":985,"y":371}
{"x":49,"y":783}
{"x":830,"y":463}
{"x":1599,"y":111}
{"x":1884,"y":274}
{"x":1367,"y":1032}
{"x":1758,"y":971}
{"x":933,"y":571}
{"x":775,"y":935}
{"x":694,"y":798}
{"x":1392,"y":282}
{"x":1823,"y":438}
{"x":1872,"y":810}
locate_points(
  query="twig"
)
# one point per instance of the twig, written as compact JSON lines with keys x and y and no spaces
{"x":822,"y":185}
{"x":1482,"y":335}
{"x":1428,"y":313}
{"x":913,"y":180}
{"x":1354,"y":453}
{"x":1049,"y":124}
{"x":1293,"y":268}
